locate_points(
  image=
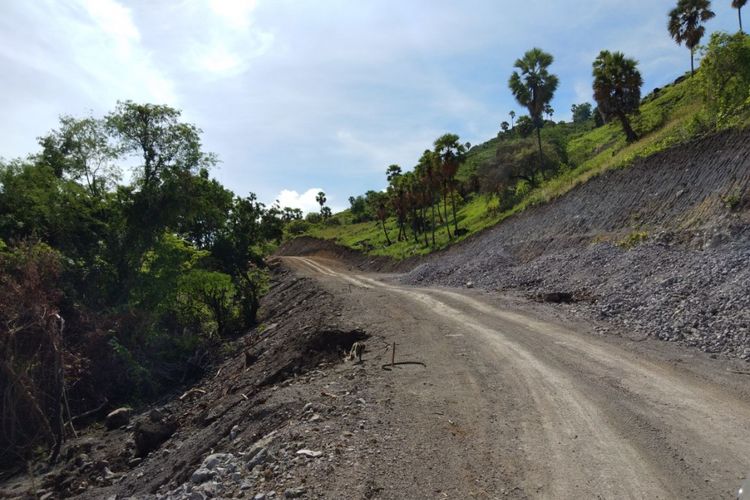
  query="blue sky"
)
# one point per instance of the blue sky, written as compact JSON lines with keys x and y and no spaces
{"x":297,"y":96}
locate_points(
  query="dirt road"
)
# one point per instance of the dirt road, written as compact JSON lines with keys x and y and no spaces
{"x":514,"y":401}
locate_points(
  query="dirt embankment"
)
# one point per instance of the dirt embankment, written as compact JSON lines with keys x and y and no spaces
{"x":239,"y":431}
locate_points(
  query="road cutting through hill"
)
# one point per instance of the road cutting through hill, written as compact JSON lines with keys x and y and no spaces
{"x":543,"y":407}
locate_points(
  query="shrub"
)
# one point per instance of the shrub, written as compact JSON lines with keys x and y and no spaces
{"x":31,"y":355}
{"x":313,"y":218}
{"x":297,"y":227}
{"x":725,"y":76}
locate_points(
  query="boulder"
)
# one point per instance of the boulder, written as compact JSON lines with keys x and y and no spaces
{"x":118,"y":418}
{"x":150,"y":435}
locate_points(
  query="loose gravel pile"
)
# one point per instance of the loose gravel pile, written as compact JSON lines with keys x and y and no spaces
{"x":700,"y":298}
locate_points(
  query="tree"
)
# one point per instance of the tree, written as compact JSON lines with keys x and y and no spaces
{"x":534,"y":86}
{"x":512,"y":117}
{"x":450,"y":154}
{"x":686,"y":24}
{"x":617,"y":88}
{"x":426,"y":170}
{"x":738,"y":4}
{"x":516,"y":161}
{"x":81,"y":149}
{"x":581,"y":112}
{"x":392,"y":172}
{"x":167,"y":145}
{"x":378,"y":202}
{"x":725,"y":76}
{"x":321,"y":199}
{"x":524,"y":126}
{"x":505,"y":126}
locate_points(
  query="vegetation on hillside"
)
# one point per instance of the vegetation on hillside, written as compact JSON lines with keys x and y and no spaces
{"x":110,"y":291}
{"x":507,"y":174}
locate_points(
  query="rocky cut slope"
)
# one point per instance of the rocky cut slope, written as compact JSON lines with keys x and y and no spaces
{"x":661,"y":248}
{"x":251,"y":428}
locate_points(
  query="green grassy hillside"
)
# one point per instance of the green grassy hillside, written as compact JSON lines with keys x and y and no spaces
{"x":668,"y":117}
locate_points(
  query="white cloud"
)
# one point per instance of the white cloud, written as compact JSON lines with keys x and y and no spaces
{"x":305,"y":201}
{"x":235,"y":13}
{"x":224,"y":46}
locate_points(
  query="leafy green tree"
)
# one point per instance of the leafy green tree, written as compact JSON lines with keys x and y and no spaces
{"x":686,"y":24}
{"x":534,"y":86}
{"x":617,"y":88}
{"x":207,"y":300}
{"x":207,"y":204}
{"x":326,"y":213}
{"x":725,"y":76}
{"x":167,"y":146}
{"x":505,"y":126}
{"x":524,"y":126}
{"x":516,"y":161}
{"x":738,"y":4}
{"x":290,"y":214}
{"x":581,"y":112}
{"x":358,"y":209}
{"x":82,"y":150}
{"x":171,"y":156}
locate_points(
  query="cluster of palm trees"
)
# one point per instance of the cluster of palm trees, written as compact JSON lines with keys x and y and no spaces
{"x":415,"y":197}
{"x":617,"y":81}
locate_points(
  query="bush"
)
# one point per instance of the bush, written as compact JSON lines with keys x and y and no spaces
{"x":31,"y":356}
{"x":207,"y":302}
{"x":313,"y":218}
{"x":297,"y":227}
{"x":725,"y":76}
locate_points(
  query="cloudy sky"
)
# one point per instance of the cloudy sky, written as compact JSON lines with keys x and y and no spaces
{"x":300,"y":95}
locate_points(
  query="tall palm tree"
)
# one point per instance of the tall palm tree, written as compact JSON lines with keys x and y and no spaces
{"x":534,"y":86}
{"x":617,"y":88}
{"x":450,"y":154}
{"x":512,"y":118}
{"x":738,"y":4}
{"x":686,"y":24}
{"x":392,"y":172}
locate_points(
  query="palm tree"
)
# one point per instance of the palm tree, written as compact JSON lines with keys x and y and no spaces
{"x":533,"y":87}
{"x":686,"y":24}
{"x":617,"y":88}
{"x":450,"y":154}
{"x":321,"y":199}
{"x":738,"y":4}
{"x":427,"y":171}
{"x":505,"y":126}
{"x":392,"y":172}
{"x":512,"y":117}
